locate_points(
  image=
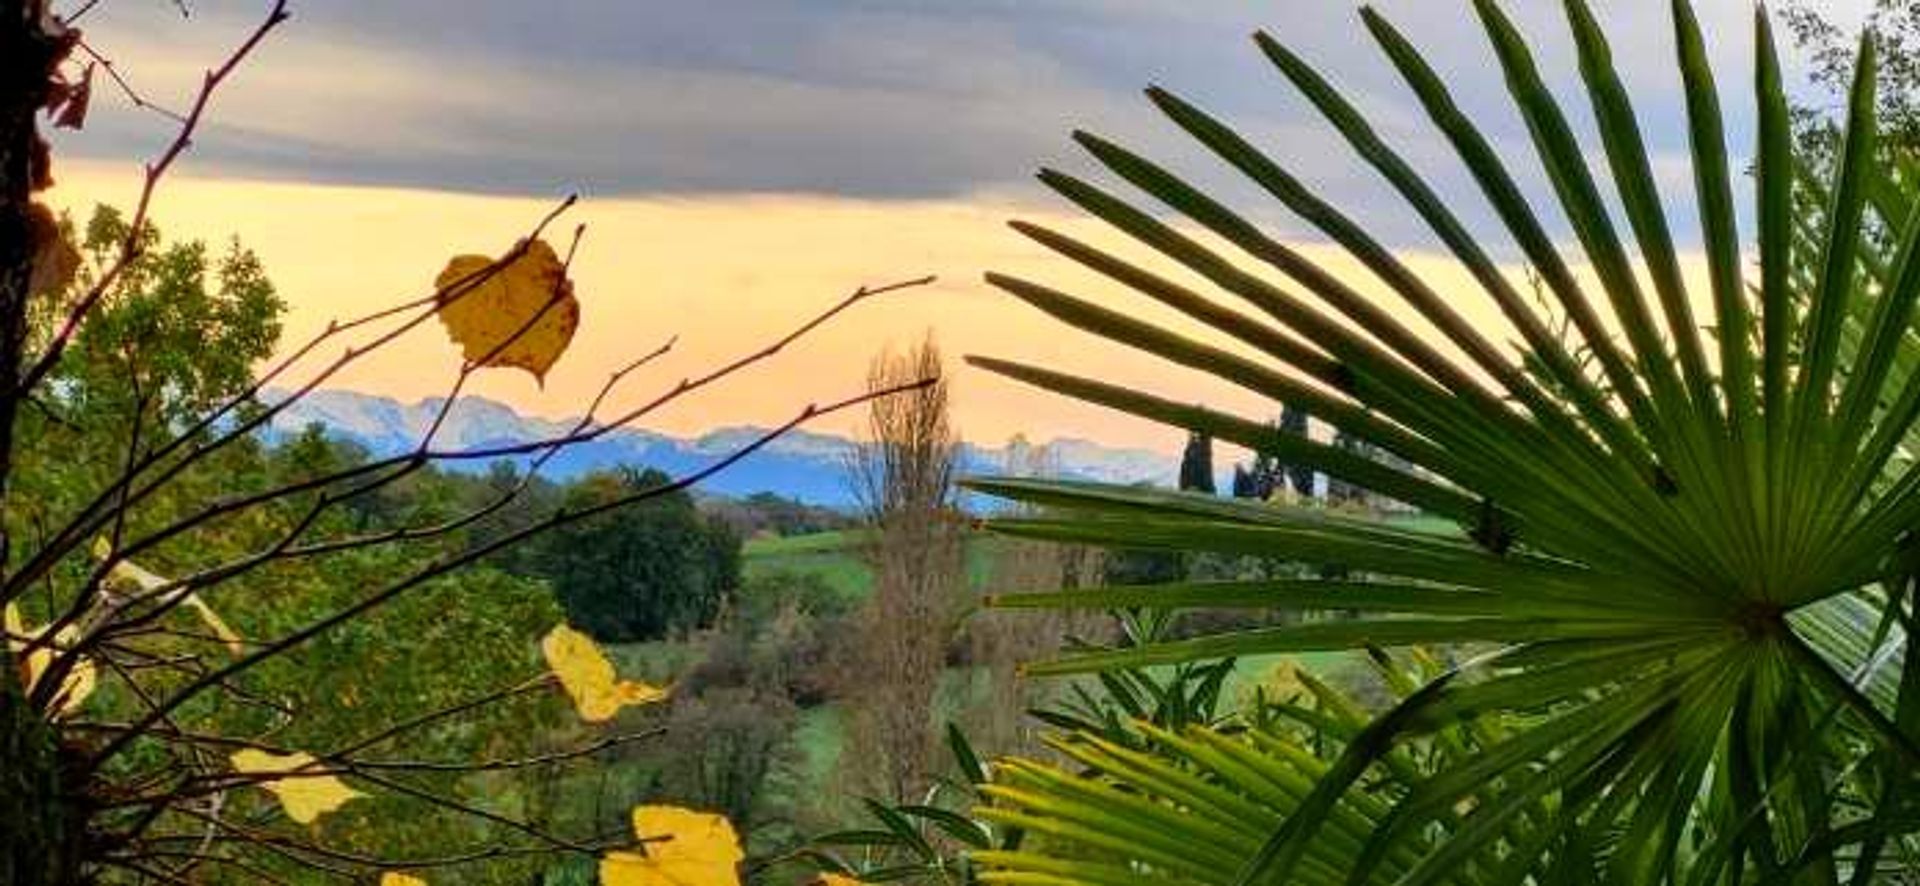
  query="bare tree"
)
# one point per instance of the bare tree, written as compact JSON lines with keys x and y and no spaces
{"x":144,"y":796}
{"x":999,"y":641}
{"x":904,"y":476}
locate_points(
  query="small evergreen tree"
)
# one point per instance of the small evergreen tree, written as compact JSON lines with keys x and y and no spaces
{"x":1267,"y":475}
{"x":1293,"y":420}
{"x":1243,"y":485}
{"x":1196,"y":464}
{"x":1339,"y":491}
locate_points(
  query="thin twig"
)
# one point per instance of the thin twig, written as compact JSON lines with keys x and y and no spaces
{"x":126,"y":88}
{"x":447,"y":564}
{"x":89,"y":518}
{"x":401,"y":465}
{"x":131,"y":246}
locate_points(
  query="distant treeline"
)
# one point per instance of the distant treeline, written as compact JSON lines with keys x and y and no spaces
{"x":661,"y":569}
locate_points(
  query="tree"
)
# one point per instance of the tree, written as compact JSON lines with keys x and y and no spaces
{"x":459,"y":638}
{"x":643,"y":573}
{"x":1680,"y":574}
{"x":722,"y":746}
{"x":1267,"y":476}
{"x":766,"y":513}
{"x":904,"y":477}
{"x":114,"y":673}
{"x":1342,"y":492}
{"x":179,"y":335}
{"x":998,"y":642}
{"x":532,"y":497}
{"x":1243,"y":485}
{"x":1293,"y":420}
{"x":1895,"y":29}
{"x":1196,"y":464}
{"x":1140,"y":566}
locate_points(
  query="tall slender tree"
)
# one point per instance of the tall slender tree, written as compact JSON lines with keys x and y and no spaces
{"x":1293,"y":420}
{"x":1196,"y":464}
{"x":904,"y":475}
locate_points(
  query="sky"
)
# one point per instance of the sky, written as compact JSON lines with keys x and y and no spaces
{"x":745,"y":163}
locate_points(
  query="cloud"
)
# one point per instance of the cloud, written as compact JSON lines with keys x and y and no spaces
{"x":891,"y":105}
{"x":850,"y":98}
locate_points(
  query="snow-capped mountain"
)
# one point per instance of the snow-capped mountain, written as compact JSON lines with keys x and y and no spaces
{"x":801,"y":464}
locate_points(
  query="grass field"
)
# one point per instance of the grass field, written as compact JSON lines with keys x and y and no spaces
{"x":777,"y":547}
{"x":833,"y":556}
{"x":808,"y":775}
{"x":837,"y":558}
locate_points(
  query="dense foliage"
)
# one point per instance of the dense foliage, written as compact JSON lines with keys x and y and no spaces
{"x":642,"y":574}
{"x":183,"y":331}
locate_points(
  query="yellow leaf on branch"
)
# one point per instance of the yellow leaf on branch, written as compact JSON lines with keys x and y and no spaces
{"x":131,"y":574}
{"x":16,"y":629}
{"x":305,"y":793}
{"x":827,"y":879}
{"x":588,"y":676}
{"x":391,"y":878}
{"x":521,"y":314}
{"x":80,"y":679}
{"x":683,"y":848}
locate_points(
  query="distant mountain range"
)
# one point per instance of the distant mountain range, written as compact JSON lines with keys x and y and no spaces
{"x":808,"y":466}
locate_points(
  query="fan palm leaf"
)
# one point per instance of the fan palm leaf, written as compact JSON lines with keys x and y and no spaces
{"x":1185,"y":803}
{"x":1693,"y":564}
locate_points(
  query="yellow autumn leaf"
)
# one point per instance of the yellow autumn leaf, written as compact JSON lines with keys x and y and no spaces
{"x":827,"y":879}
{"x":304,"y":797}
{"x":127,"y":572}
{"x":391,"y":878}
{"x":683,"y":848}
{"x":80,"y":679}
{"x":588,"y":676}
{"x":16,"y":630}
{"x":522,"y":314}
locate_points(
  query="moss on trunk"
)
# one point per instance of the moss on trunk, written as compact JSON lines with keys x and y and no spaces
{"x":42,"y":812}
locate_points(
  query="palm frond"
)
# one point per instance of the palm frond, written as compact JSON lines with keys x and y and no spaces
{"x":1693,"y":574}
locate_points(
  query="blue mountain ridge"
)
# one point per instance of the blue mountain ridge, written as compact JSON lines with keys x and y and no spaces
{"x":808,"y":466}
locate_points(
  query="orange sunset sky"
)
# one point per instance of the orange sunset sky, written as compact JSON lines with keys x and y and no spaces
{"x":745,"y":164}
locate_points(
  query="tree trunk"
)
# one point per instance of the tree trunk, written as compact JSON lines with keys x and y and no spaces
{"x":25,"y":55}
{"x":42,"y":812}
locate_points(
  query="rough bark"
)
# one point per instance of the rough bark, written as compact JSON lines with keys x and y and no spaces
{"x":25,"y":55}
{"x":42,"y":811}
{"x":42,"y":817}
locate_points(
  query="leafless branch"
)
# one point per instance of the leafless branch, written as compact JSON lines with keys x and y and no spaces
{"x":126,"y":88}
{"x":190,"y":782}
{"x":131,"y":245}
{"x":88,"y":519}
{"x":585,"y":430}
{"x":453,"y":561}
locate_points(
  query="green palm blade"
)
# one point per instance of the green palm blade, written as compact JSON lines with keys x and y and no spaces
{"x":1690,"y":557}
